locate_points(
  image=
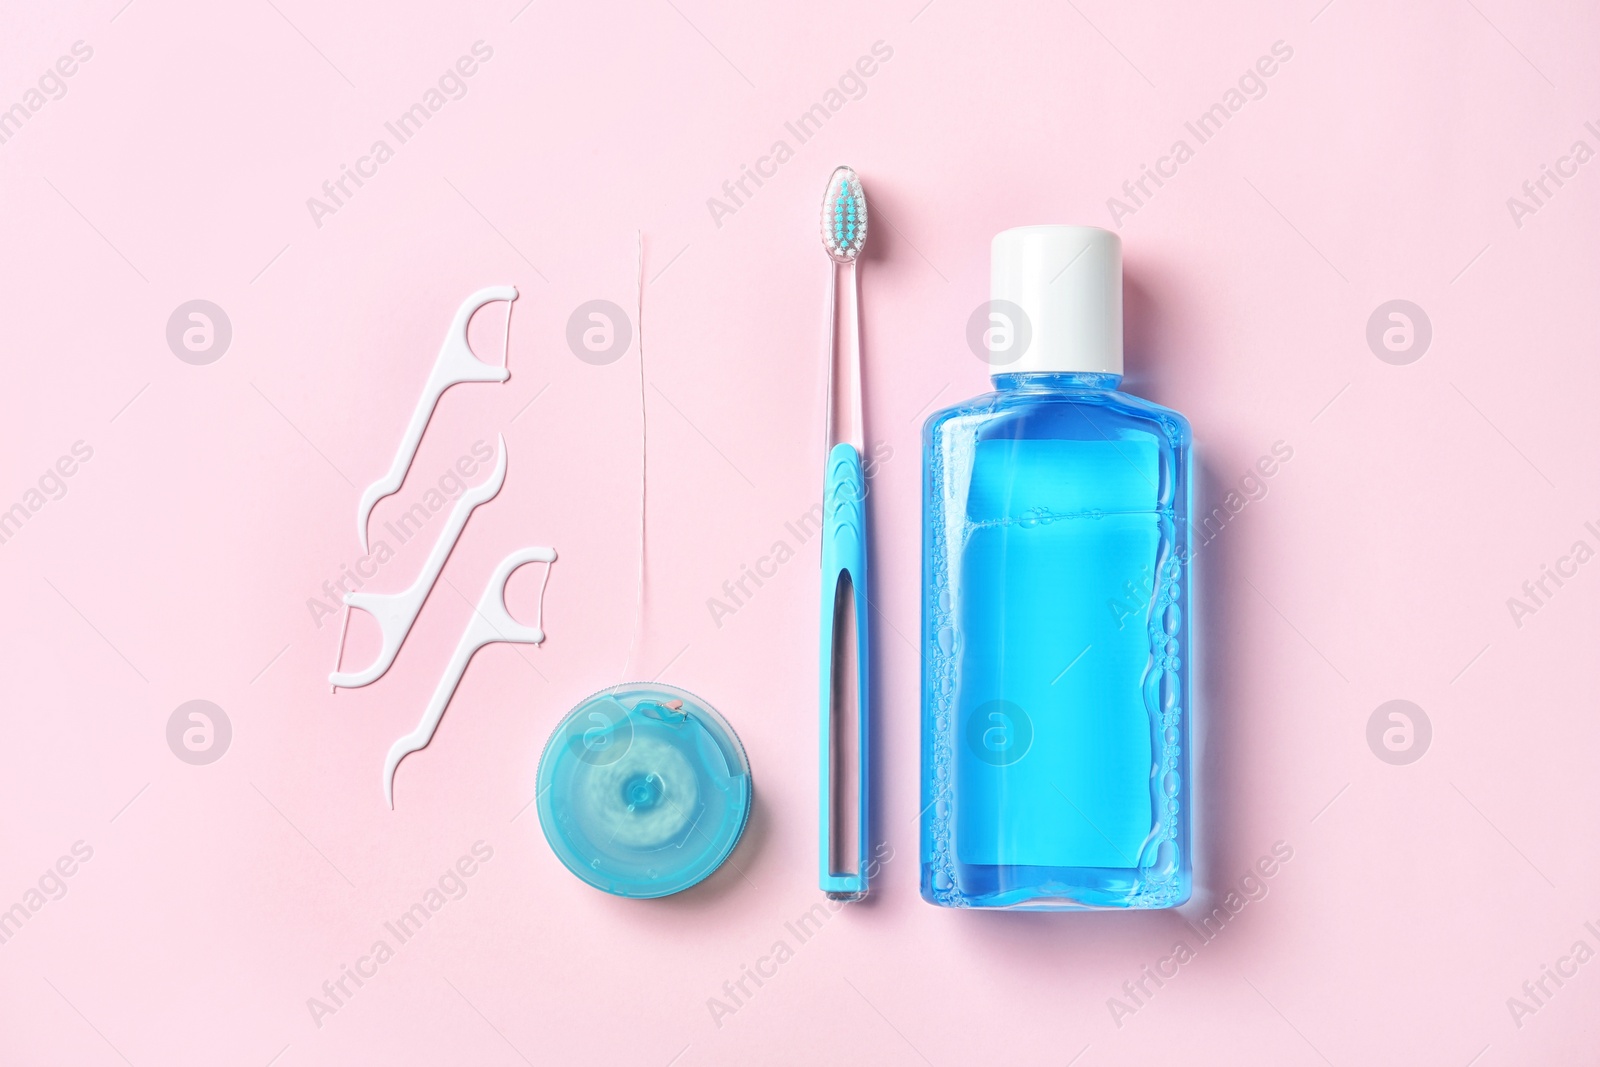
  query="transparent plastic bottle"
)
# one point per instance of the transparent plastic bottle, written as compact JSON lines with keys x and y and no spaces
{"x":1056,"y":609}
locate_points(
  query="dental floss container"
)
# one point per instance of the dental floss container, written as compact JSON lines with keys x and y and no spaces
{"x":644,"y":790}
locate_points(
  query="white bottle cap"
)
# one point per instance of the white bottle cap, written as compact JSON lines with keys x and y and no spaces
{"x":1055,"y":301}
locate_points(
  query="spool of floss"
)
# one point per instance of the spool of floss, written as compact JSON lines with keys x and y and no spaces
{"x":644,"y":789}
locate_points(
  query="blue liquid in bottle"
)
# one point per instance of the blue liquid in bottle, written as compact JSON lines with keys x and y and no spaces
{"x":1055,"y":646}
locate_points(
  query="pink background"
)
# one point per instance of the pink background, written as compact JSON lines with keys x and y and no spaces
{"x":179,"y":563}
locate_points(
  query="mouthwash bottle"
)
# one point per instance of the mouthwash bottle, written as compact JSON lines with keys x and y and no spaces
{"x":1056,"y":615}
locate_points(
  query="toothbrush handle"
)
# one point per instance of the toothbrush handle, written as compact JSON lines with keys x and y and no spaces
{"x":844,"y":661}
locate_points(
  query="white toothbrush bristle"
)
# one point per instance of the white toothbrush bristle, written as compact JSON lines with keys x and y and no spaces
{"x":844,"y":216}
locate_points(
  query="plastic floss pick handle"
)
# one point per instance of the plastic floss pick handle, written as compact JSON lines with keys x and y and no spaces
{"x":397,"y":612}
{"x":490,"y":622}
{"x":456,"y":364}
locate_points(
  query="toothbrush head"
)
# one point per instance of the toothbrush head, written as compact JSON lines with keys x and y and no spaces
{"x":844,"y":216}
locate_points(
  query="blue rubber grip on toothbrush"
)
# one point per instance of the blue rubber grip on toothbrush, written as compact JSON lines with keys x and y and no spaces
{"x":844,"y":557}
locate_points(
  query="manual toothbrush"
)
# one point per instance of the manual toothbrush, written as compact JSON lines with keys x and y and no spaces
{"x":845,"y":693}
